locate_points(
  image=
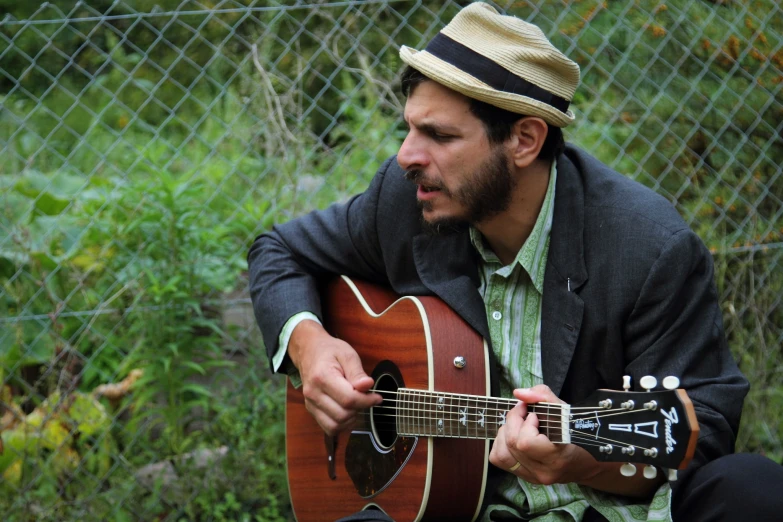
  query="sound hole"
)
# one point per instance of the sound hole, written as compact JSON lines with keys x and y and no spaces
{"x":383,"y":417}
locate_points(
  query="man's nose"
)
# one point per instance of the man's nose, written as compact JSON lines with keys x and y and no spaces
{"x":412,"y":155}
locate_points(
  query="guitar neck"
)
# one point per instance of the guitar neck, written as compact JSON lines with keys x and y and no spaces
{"x":437,"y":414}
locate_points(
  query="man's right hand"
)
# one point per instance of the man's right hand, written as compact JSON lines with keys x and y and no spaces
{"x":334,"y":384}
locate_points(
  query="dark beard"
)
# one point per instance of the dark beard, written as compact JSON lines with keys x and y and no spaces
{"x":485,"y":194}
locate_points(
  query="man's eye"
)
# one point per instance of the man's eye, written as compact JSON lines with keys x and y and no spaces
{"x":442,"y":137}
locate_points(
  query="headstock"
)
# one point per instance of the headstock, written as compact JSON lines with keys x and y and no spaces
{"x":658,"y":428}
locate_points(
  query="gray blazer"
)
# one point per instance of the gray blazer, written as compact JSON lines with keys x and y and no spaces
{"x":628,"y":289}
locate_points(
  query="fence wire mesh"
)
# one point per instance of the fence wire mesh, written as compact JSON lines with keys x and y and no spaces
{"x":146,"y":143}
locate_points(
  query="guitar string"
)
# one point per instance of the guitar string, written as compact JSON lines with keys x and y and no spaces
{"x":585,"y":438}
{"x":388,"y":422}
{"x":417,"y":407}
{"x":545,"y":409}
{"x":460,"y":396}
{"x":540,"y":411}
{"x":416,"y":394}
{"x":544,"y":422}
{"x":537,"y":408}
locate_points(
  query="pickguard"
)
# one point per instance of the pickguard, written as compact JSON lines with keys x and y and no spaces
{"x":373,"y":468}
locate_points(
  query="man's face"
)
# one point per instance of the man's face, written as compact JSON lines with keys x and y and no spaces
{"x":461,"y":177}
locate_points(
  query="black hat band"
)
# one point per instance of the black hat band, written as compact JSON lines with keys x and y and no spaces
{"x":491,"y":73}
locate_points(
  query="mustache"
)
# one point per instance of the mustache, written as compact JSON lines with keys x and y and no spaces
{"x":418,"y":177}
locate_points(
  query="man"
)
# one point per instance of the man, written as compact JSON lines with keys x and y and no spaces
{"x":575,"y":274}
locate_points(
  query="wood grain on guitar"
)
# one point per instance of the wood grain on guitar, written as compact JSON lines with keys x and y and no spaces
{"x":423,"y":453}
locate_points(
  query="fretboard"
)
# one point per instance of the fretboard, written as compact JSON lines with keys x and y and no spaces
{"x":436,"y":414}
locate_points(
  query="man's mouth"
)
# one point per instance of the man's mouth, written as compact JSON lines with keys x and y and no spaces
{"x":427,"y":189}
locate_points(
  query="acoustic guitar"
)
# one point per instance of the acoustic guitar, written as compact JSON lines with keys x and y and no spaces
{"x":423,"y":453}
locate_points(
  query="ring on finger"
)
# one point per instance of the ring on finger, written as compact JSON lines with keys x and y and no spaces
{"x":515,"y":467}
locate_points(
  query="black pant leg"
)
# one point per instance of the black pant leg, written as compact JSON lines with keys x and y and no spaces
{"x":739,"y":487}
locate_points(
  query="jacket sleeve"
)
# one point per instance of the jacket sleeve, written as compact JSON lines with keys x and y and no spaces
{"x":676,"y":329}
{"x":286,"y":263}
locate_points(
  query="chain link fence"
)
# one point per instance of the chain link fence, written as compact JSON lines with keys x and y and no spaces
{"x":144,"y":144}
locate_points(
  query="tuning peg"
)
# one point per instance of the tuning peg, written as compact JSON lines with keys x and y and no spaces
{"x":672,"y":476}
{"x":671,"y":382}
{"x":628,"y":470}
{"x":650,"y":472}
{"x":648,"y":382}
{"x":626,"y":382}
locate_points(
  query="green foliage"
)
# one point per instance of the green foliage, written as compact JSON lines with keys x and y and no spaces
{"x":44,"y":450}
{"x":252,"y":427}
{"x":132,"y":186}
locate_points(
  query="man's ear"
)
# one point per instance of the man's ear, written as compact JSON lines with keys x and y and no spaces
{"x":528,"y":136}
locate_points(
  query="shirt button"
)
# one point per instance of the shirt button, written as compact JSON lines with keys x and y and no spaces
{"x":496,"y":315}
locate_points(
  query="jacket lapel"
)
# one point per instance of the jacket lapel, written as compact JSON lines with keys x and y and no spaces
{"x":562,"y":308}
{"x":447,"y":266}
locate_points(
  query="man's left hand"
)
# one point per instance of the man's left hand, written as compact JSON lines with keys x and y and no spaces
{"x":540,"y":461}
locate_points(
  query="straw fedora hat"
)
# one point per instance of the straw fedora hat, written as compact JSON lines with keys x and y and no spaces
{"x":501,"y":60}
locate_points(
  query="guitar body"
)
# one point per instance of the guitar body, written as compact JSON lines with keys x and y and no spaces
{"x":402,"y":342}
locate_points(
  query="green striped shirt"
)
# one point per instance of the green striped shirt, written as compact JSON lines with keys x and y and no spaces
{"x":512,"y":296}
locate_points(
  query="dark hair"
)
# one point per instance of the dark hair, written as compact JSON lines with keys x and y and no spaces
{"x":497,"y":122}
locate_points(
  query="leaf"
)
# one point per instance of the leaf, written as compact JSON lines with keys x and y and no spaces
{"x":17,"y":442}
{"x":46,"y":261}
{"x":10,"y":261}
{"x":54,"y":435}
{"x":197,"y":389}
{"x":92,"y":258}
{"x":29,"y":347}
{"x":13,"y":473}
{"x":88,"y":414}
{"x":15,"y":207}
{"x":49,"y":204}
{"x":65,"y":459}
{"x":32,"y":183}
{"x":194,"y":366}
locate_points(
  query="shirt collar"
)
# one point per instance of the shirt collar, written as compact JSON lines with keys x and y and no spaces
{"x":534,"y":251}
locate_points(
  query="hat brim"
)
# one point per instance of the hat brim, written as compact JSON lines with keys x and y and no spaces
{"x":462,"y":82}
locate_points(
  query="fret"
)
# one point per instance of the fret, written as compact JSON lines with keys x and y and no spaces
{"x":399,"y":418}
{"x":402,"y":416}
{"x":428,"y":413}
{"x":447,"y":416}
{"x":463,"y":418}
{"x":500,"y":415}
{"x":440,"y":402}
{"x":543,"y":422}
{"x":410,"y":411}
{"x":479,"y":420}
{"x":453,"y":426}
{"x":411,"y":414}
{"x":418,"y":412}
{"x":457,"y":415}
{"x":435,"y":415}
{"x":475,"y":417}
{"x":490,"y":430}
{"x":427,"y":399}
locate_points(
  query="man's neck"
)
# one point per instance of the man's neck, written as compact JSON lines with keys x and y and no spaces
{"x":507,"y":232}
